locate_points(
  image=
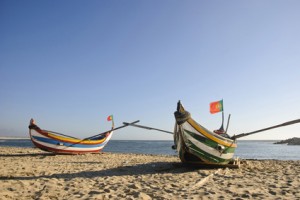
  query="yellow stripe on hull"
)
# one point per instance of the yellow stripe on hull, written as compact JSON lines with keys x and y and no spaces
{"x":76,"y":140}
{"x":209,"y":135}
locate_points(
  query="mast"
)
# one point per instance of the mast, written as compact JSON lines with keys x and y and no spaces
{"x":222,"y":126}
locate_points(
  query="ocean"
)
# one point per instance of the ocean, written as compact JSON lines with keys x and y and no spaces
{"x":247,"y":149}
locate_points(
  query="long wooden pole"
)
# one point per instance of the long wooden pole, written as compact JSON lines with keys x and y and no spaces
{"x":113,"y":129}
{"x":62,"y":134}
{"x":227,"y":123}
{"x":88,"y":138}
{"x":147,"y":127}
{"x":265,"y":129}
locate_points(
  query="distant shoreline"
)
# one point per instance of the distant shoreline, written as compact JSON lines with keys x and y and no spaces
{"x":291,"y":141}
{"x":14,"y":138}
{"x":28,"y":138}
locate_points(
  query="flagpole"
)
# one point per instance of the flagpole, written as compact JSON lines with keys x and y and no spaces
{"x":222,"y":127}
{"x":227,"y":123}
{"x":111,"y":118}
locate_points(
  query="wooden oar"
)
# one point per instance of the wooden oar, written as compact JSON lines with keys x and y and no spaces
{"x":146,"y":127}
{"x":62,"y":134}
{"x":94,"y":136}
{"x":265,"y":129}
{"x":113,"y":129}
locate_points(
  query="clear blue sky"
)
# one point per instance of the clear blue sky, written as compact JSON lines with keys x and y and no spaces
{"x":70,"y":64}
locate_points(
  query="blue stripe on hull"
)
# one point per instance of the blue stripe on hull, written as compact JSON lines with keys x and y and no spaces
{"x":67,"y":144}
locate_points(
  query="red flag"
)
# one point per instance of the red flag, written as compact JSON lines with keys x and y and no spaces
{"x":109,"y":118}
{"x":216,"y":106}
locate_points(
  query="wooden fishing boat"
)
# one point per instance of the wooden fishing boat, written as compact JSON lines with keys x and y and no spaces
{"x":195,"y":143}
{"x":63,"y":144}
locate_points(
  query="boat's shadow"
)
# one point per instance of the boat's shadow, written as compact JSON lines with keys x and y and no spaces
{"x":27,"y":155}
{"x":126,"y":170}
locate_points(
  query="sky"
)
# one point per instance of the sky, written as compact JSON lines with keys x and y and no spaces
{"x":71,"y":64}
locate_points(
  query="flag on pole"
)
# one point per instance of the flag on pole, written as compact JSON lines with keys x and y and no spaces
{"x":216,"y":106}
{"x":110,"y":117}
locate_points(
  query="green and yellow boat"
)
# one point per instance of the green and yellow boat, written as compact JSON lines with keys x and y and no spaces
{"x":195,"y":143}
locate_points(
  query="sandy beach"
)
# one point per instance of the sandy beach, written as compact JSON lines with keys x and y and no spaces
{"x":29,"y":173}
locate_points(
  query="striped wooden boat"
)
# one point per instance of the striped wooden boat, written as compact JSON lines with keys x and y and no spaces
{"x":62,"y":144}
{"x":195,"y":143}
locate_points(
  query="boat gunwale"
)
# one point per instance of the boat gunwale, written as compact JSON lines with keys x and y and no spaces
{"x":210,"y":135}
{"x":56,"y":137}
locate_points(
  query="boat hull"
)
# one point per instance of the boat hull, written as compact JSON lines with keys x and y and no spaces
{"x":195,"y":143}
{"x":51,"y":142}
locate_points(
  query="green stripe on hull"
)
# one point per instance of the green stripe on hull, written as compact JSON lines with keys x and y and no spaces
{"x":206,"y":156}
{"x":209,"y":142}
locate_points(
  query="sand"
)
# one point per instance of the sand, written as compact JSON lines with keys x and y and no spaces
{"x":29,"y":173}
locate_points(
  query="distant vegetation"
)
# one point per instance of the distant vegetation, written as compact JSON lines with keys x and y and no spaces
{"x":291,"y":141}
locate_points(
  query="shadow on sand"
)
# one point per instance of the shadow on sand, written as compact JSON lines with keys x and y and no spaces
{"x":27,"y":155}
{"x":135,"y":170}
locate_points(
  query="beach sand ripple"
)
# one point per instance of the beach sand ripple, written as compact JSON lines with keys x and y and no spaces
{"x":29,"y":173}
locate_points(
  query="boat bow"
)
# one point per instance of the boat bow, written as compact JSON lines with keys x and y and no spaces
{"x":196,"y":143}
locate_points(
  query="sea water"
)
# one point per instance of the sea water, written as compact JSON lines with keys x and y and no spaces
{"x":266,"y":149}
{"x":247,"y":149}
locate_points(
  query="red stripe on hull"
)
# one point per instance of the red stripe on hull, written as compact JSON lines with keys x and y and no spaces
{"x":60,"y":151}
{"x":46,"y":134}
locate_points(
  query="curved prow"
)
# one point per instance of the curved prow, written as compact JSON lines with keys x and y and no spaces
{"x":181,"y":115}
{"x":32,"y":124}
{"x":180,"y":107}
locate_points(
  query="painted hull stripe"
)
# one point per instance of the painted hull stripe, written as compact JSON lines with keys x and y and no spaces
{"x":210,"y":151}
{"x":210,"y":135}
{"x":207,"y":157}
{"x":49,"y":144}
{"x":49,"y":134}
{"x":74,"y":140}
{"x":208,"y":142}
{"x":58,"y":147}
{"x":56,"y":142}
{"x":64,"y":151}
